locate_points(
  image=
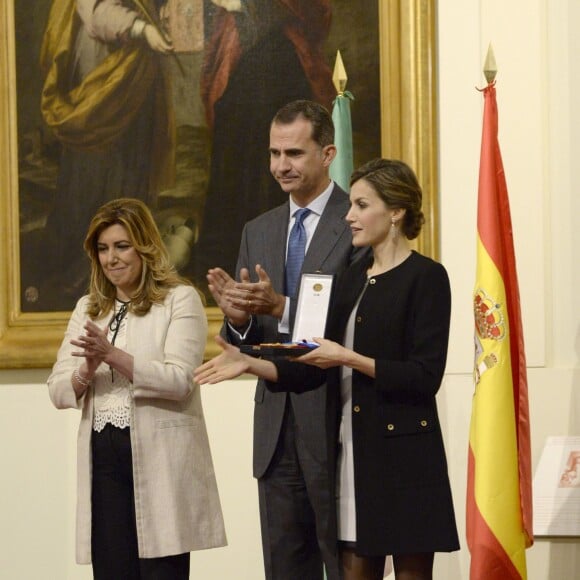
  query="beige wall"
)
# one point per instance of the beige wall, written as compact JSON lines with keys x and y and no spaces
{"x":536,"y":46}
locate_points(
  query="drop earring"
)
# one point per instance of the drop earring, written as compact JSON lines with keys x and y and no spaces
{"x":394,"y":229}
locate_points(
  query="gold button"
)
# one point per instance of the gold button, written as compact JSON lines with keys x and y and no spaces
{"x":356,"y":409}
{"x":423,"y":423}
{"x":359,"y":318}
{"x":390,"y":427}
{"x":372,"y":281}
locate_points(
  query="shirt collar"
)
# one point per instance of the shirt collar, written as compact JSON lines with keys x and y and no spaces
{"x":316,"y":205}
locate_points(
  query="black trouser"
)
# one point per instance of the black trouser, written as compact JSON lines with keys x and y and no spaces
{"x":294,"y":511}
{"x":114,"y":533}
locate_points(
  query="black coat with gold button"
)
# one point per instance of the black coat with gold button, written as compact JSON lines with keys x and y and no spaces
{"x":403,"y":495}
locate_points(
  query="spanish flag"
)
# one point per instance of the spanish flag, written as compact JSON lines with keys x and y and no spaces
{"x":499,"y":485}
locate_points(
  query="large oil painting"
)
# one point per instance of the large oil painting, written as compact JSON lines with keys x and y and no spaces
{"x":95,"y":110}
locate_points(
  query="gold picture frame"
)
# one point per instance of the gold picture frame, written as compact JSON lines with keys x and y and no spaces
{"x":408,"y":132}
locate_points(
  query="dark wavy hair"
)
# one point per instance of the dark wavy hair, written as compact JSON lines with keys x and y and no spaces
{"x":397,"y":185}
{"x":316,"y":114}
{"x":158,"y":274}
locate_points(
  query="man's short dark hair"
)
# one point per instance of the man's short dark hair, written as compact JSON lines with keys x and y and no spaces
{"x":316,"y":114}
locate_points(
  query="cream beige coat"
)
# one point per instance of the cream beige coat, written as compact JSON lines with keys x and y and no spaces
{"x":176,"y":499}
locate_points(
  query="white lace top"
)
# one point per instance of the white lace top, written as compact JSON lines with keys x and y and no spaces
{"x":112,"y":396}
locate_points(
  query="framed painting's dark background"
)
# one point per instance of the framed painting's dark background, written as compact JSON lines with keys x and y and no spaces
{"x":389,"y":57}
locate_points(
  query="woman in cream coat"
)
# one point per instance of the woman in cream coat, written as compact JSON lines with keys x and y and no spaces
{"x":147,"y":494}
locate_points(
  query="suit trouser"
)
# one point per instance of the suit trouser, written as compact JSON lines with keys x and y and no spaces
{"x":295,"y":504}
{"x":114,"y":531}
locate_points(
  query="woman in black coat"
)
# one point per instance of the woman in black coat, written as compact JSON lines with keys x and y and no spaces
{"x":385,"y":354}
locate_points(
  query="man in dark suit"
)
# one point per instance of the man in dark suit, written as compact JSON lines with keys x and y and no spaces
{"x":297,"y":504}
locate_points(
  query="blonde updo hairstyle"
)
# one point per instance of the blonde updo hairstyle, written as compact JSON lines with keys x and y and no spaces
{"x":397,"y":185}
{"x":158,"y":275}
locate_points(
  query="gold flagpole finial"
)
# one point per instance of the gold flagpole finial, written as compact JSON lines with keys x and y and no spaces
{"x":339,"y":76}
{"x":489,"y":66}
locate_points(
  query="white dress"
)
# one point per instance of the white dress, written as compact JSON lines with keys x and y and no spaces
{"x":345,"y":501}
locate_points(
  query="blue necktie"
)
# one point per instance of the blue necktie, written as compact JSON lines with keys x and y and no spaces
{"x":296,"y":250}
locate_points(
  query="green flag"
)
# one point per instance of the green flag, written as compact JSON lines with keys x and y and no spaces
{"x":342,"y":166}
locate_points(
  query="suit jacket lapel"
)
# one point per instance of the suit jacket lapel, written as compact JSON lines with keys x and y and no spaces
{"x":331,"y":227}
{"x":275,"y":246}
